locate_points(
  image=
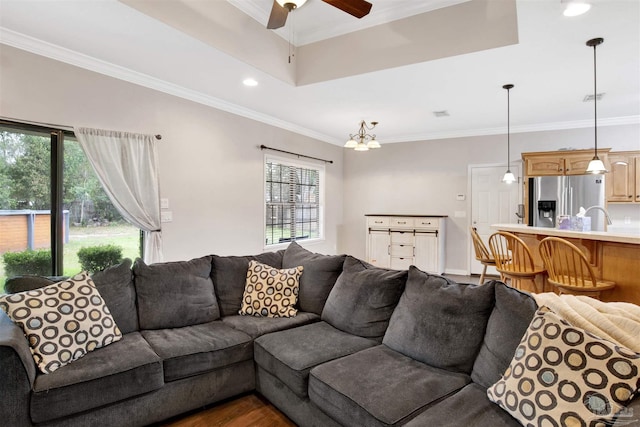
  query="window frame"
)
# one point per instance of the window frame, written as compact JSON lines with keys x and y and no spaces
{"x":321,"y":198}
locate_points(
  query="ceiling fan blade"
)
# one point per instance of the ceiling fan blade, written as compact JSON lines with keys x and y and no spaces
{"x":357,"y":8}
{"x":278,"y":16}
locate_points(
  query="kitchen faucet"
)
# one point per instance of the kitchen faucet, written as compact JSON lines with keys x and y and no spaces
{"x":600,"y":208}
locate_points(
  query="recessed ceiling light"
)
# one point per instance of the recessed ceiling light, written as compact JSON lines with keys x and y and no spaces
{"x":250,"y":82}
{"x":575,"y":8}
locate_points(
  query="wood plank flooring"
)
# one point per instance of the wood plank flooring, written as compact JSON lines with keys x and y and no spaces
{"x":251,"y":410}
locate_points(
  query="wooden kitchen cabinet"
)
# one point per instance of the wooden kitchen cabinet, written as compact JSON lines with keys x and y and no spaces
{"x":623,"y":180}
{"x":555,"y":163}
{"x":397,"y":242}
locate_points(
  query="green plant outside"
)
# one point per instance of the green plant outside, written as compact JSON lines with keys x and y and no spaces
{"x":125,"y":236}
{"x":97,"y":258}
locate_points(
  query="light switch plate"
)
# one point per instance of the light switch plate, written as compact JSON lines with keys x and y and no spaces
{"x":164,"y":203}
{"x":166,"y":216}
{"x":460,"y":197}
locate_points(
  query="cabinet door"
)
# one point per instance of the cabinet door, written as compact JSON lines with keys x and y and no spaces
{"x":426,"y":254}
{"x":545,"y":166}
{"x":401,"y":263}
{"x":379,"y":249}
{"x":620,"y":180}
{"x":577,"y":164}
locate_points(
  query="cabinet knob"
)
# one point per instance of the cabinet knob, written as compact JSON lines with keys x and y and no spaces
{"x":630,"y":196}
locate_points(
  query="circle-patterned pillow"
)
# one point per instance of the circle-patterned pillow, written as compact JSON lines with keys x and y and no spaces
{"x":561,"y":375}
{"x":63,"y":321}
{"x":270,"y":292}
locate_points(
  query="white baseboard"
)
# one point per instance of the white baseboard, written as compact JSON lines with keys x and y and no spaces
{"x":457,"y":272}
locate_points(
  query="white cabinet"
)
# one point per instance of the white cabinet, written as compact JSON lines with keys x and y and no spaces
{"x":395,"y":241}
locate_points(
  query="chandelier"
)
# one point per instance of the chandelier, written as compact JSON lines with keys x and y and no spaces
{"x":362,"y":141}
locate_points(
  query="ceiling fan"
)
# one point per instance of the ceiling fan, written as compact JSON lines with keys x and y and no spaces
{"x":281,"y":9}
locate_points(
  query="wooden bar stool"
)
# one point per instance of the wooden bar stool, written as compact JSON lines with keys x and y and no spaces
{"x":569,"y":269}
{"x":482,"y":253}
{"x":514,"y":260}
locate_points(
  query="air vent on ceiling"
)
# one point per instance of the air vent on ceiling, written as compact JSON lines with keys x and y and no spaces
{"x":589,"y":98}
{"x":442,"y":113}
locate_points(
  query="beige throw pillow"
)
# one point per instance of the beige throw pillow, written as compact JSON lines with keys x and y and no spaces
{"x":563,"y":375}
{"x":63,"y":321}
{"x":270,"y":292}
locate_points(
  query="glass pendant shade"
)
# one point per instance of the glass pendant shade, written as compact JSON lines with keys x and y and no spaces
{"x":373,"y":144}
{"x":361,"y":146}
{"x":596,"y":166}
{"x":351,"y":144}
{"x":509,"y":177}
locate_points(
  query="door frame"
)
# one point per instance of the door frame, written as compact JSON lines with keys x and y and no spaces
{"x":516,"y":168}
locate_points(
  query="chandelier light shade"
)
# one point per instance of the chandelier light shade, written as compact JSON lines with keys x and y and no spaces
{"x":362,"y":141}
{"x":596,"y":166}
{"x":508,"y":177}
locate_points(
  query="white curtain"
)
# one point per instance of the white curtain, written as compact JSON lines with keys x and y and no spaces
{"x":127,"y":167}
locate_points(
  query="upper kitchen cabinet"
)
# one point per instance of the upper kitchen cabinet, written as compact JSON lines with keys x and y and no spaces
{"x":556,"y":163}
{"x":623,"y":179}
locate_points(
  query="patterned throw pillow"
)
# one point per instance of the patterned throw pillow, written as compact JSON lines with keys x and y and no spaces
{"x":270,"y":292}
{"x":63,"y":321}
{"x":563,"y":375}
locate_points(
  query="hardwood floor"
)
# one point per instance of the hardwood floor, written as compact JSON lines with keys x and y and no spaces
{"x":251,"y":410}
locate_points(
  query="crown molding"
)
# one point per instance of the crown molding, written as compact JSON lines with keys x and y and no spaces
{"x":58,"y":53}
{"x":542,"y":127}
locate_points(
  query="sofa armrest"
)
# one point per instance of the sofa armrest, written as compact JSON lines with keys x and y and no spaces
{"x":17,"y":374}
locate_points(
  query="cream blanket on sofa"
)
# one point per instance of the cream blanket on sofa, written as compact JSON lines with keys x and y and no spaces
{"x":614,"y":321}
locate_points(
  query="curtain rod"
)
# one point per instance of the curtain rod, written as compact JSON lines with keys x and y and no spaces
{"x":264,"y":147}
{"x":64,"y":128}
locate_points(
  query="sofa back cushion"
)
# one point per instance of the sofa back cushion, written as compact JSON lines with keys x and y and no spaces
{"x":363,"y":298}
{"x":229,"y":275}
{"x":175,"y":294}
{"x":115,"y":284}
{"x":440,"y":322}
{"x":320,"y":274}
{"x":509,"y":320}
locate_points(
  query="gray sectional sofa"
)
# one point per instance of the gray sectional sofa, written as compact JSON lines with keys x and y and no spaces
{"x":368,"y":347}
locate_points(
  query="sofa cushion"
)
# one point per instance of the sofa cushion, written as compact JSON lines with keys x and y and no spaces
{"x":192,"y":350}
{"x":509,"y":319}
{"x":379,"y":387}
{"x":320,"y":274}
{"x":229,"y":274}
{"x":440,"y":322}
{"x":175,"y":294}
{"x":564,"y":373}
{"x":119,"y":371}
{"x":257,"y":326}
{"x":363,"y":298}
{"x":63,"y":321}
{"x":270,"y":292}
{"x":290,"y":354}
{"x":115,"y":284}
{"x":478,"y":411}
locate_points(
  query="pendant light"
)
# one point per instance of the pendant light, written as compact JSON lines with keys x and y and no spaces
{"x":596,"y":166}
{"x":508,"y":177}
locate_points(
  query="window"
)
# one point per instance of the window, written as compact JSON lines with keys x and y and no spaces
{"x":294,"y":196}
{"x":52,"y":204}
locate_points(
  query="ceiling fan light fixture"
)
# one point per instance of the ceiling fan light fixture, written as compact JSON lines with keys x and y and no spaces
{"x":291,"y":4}
{"x":575,"y":7}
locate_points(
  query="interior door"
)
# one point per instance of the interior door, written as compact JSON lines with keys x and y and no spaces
{"x":492,"y":202}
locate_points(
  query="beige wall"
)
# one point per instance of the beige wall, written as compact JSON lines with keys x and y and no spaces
{"x":424,"y":178}
{"x":210,"y":165}
{"x":211,"y":168}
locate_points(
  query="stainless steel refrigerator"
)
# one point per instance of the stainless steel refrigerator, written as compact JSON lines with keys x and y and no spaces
{"x":550,"y":196}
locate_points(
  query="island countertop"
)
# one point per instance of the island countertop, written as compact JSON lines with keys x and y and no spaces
{"x":605,"y":236}
{"x":614,"y":256}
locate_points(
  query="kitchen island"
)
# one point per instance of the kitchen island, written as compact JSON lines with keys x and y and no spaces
{"x":614,"y":256}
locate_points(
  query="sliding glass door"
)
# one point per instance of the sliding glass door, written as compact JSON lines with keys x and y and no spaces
{"x":55,"y":218}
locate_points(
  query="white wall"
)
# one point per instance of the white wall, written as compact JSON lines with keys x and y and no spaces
{"x":424,"y":178}
{"x":211,"y":168}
